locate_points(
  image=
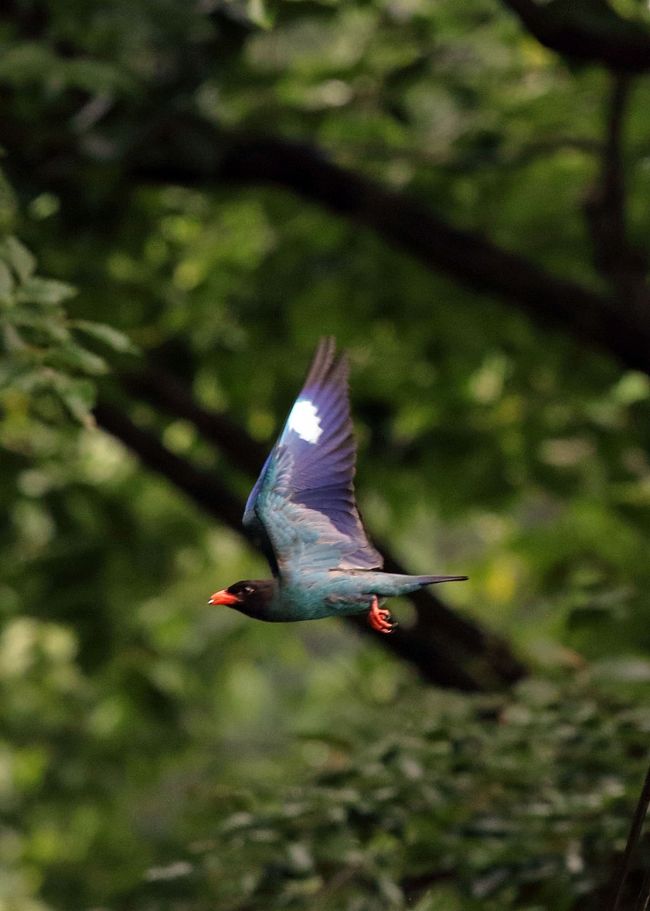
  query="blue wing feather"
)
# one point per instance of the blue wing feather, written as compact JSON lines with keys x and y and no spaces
{"x":302,"y":507}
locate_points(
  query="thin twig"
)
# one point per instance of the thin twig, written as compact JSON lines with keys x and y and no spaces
{"x":632,"y":840}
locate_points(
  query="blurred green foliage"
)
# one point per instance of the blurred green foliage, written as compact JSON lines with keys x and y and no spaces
{"x":42,"y":357}
{"x":154,"y":754}
{"x":458,"y":803}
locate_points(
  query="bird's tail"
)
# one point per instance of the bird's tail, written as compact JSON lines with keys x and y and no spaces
{"x":431,"y":580}
{"x":390,"y":584}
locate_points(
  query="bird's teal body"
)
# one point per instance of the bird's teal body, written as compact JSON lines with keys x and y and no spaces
{"x":303,"y":513}
{"x":337,"y":593}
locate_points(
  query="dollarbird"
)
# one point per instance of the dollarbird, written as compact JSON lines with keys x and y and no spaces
{"x":303,"y":514}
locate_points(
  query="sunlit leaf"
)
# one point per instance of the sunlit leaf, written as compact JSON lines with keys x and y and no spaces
{"x":44,"y":291}
{"x":109,"y":336}
{"x":20,"y":258}
{"x":78,"y":358}
{"x":6,"y":283}
{"x":79,"y":397}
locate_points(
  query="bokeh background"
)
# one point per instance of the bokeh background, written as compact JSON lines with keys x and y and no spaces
{"x":192,"y":194}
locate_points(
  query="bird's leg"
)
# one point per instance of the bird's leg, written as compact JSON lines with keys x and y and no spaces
{"x":380,"y":618}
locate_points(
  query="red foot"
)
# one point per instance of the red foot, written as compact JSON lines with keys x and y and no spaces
{"x":380,"y":618}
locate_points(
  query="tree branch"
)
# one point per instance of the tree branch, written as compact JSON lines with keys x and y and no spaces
{"x":595,"y":35}
{"x":185,"y":149}
{"x":165,"y":392}
{"x":621,"y":263}
{"x":446,"y":649}
{"x":465,"y":255}
{"x":612,"y":190}
{"x":199,"y":485}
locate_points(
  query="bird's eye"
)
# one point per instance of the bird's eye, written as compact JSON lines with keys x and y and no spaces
{"x":248,"y":589}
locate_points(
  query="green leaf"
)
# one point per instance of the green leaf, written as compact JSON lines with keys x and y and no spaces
{"x":7,"y":204}
{"x":21,"y":260}
{"x":6,"y":283}
{"x":110,"y":336}
{"x":258,"y":13}
{"x":12,"y":340}
{"x":53,"y":329}
{"x":44,"y":291}
{"x":75,"y":357}
{"x":78,"y":396}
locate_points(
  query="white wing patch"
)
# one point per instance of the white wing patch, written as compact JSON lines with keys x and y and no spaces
{"x":305,"y":422}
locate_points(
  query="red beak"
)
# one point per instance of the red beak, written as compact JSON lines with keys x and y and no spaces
{"x":223,"y":597}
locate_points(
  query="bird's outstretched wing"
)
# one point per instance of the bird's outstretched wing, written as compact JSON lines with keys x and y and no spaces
{"x":302,"y":508}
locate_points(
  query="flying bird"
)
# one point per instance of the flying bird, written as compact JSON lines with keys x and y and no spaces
{"x":303,"y":514}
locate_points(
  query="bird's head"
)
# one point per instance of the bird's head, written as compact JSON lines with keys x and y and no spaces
{"x":251,"y":597}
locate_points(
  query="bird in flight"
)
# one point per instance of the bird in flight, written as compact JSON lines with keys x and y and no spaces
{"x":303,"y":514}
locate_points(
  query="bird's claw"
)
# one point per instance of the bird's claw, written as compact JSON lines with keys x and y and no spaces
{"x":381,"y":619}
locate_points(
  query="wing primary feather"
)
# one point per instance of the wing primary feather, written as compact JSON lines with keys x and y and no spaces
{"x":322,"y":362}
{"x":303,"y":501}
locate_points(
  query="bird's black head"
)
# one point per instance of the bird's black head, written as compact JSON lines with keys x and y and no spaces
{"x":251,"y":597}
